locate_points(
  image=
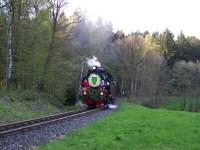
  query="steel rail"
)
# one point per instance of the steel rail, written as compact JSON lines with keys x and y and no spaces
{"x":14,"y":127}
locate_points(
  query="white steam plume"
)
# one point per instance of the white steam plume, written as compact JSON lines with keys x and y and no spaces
{"x":93,"y":62}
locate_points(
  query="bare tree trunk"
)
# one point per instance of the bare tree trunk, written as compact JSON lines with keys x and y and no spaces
{"x":122,"y":87}
{"x":9,"y":48}
{"x":135,"y":86}
{"x":132,"y":86}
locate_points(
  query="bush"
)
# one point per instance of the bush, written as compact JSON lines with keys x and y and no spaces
{"x":191,"y":104}
{"x":30,"y":95}
{"x":185,"y":79}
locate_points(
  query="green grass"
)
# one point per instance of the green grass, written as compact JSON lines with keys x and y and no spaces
{"x":136,"y":128}
{"x":22,"y":106}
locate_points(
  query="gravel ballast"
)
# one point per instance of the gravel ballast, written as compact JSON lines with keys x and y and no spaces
{"x":29,"y":139}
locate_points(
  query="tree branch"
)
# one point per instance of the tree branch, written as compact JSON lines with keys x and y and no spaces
{"x":4,"y":5}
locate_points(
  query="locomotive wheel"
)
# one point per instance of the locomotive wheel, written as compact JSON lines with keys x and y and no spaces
{"x":90,"y":107}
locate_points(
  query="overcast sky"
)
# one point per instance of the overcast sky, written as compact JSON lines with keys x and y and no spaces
{"x":151,"y":15}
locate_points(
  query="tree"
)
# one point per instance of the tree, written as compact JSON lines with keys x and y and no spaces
{"x":9,"y":5}
{"x":3,"y":45}
{"x":184,"y":48}
{"x":168,"y":46}
{"x":131,"y":52}
{"x":57,"y":7}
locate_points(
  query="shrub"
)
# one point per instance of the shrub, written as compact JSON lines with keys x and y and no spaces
{"x":29,"y":95}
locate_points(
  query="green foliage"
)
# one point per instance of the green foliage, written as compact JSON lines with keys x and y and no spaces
{"x":185,"y":78}
{"x":48,"y":51}
{"x":168,"y":43}
{"x":31,"y":43}
{"x":135,"y":127}
{"x":183,"y":104}
{"x":28,"y":95}
{"x":3,"y":46}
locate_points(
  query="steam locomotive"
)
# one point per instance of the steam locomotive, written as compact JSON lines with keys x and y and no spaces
{"x":96,"y":88}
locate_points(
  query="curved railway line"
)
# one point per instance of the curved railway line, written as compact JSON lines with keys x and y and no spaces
{"x":28,"y":125}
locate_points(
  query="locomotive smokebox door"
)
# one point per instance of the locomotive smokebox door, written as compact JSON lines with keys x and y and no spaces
{"x":94,"y":80}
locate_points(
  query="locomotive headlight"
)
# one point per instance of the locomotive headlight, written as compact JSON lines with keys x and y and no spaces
{"x":84,"y":93}
{"x":94,"y":68}
{"x":101,"y":93}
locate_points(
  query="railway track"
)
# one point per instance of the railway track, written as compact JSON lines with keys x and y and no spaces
{"x":27,"y":125}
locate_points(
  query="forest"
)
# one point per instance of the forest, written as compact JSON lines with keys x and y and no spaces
{"x":43,"y":49}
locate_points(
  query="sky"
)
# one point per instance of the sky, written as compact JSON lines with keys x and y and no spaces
{"x":142,"y":15}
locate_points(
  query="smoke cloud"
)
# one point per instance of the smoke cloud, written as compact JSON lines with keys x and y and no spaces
{"x":93,"y":62}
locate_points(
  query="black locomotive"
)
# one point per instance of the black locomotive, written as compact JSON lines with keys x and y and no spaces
{"x":97,"y":88}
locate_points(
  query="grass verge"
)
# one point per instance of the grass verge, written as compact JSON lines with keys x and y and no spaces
{"x":23,"y":105}
{"x":16,"y":106}
{"x":136,"y":127}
